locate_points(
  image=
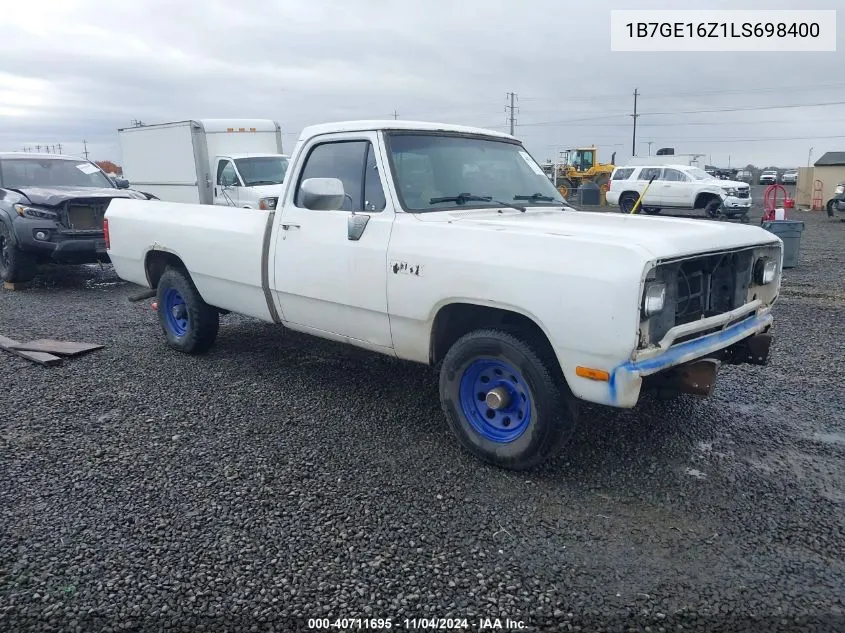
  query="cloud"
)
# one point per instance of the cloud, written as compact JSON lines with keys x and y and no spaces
{"x":78,"y":69}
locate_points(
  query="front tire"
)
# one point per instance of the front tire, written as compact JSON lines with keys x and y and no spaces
{"x":189,"y":323}
{"x":652,"y":210}
{"x":16,"y":265}
{"x":711,"y":209}
{"x":565,"y":187}
{"x":502,"y":400}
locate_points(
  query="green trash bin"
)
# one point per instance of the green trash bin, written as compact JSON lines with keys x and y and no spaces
{"x":790,"y":232}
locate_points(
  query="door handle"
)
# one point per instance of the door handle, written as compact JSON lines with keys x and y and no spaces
{"x":287,"y":226}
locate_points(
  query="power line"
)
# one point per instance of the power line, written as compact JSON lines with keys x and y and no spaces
{"x":751,"y":108}
{"x":712,"y":110}
{"x":692,"y":93}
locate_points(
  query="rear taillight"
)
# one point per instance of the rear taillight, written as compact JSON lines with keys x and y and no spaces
{"x":106,"y":232}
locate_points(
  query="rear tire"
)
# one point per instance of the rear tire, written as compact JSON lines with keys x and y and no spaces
{"x":16,"y":265}
{"x":189,"y":323}
{"x":536,"y":412}
{"x":830,"y":209}
{"x":627,"y":202}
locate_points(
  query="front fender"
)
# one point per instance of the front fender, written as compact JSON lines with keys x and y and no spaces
{"x":7,"y":218}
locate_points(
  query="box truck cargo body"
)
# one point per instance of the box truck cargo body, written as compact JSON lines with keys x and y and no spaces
{"x":693,"y":160}
{"x":229,"y":162}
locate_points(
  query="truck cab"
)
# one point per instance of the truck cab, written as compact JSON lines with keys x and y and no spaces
{"x":253,"y":181}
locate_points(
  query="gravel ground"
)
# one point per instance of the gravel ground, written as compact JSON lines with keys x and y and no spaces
{"x":282,"y":477}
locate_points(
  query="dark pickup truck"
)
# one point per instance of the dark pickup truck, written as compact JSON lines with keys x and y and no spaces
{"x":51,"y":210}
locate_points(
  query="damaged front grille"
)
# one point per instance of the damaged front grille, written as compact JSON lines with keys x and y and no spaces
{"x":701,"y":287}
{"x":707,"y":286}
{"x":85,"y":215}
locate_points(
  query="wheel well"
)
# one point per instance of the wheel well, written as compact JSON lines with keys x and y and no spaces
{"x":457,"y":319}
{"x":157,"y":262}
{"x":629,"y":193}
{"x":703,"y":199}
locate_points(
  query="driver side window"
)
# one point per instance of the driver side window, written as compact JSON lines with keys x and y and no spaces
{"x":354,"y":164}
{"x":226,"y":174}
{"x":674,"y":175}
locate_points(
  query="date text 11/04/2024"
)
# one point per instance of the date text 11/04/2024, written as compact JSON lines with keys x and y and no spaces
{"x":443,"y":624}
{"x":722,"y":29}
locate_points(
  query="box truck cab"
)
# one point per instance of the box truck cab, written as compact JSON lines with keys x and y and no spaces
{"x":227,"y":162}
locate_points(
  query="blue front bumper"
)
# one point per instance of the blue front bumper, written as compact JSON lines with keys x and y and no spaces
{"x":626,"y":379}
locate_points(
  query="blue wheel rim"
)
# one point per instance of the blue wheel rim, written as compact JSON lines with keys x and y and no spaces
{"x":175,"y":313}
{"x":511,"y":417}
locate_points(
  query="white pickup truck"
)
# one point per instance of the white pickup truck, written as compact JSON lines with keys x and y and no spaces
{"x":447,"y":245}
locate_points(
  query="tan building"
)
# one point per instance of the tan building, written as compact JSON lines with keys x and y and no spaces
{"x":830,"y":170}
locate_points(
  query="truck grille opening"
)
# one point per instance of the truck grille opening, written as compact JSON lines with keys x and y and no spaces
{"x":700,"y":287}
{"x":85,"y":216}
{"x":705,"y":287}
{"x":742,"y":193}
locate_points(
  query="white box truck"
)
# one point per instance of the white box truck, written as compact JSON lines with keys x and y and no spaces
{"x":228,"y":162}
{"x":692,"y":160}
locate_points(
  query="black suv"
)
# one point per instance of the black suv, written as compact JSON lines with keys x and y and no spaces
{"x":51,"y":210}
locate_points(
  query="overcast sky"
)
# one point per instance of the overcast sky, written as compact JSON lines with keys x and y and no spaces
{"x":79,"y":69}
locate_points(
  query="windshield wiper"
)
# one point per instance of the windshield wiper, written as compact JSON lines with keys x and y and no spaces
{"x":463,"y":198}
{"x":536,"y":197}
{"x":262,"y":182}
{"x":540,"y":197}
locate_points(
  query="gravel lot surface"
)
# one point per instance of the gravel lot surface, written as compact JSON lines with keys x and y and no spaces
{"x":282,"y":476}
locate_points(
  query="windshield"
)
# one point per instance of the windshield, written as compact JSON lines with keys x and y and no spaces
{"x":699,"y":174}
{"x":262,"y":170}
{"x":17,"y":173}
{"x":435,"y":172}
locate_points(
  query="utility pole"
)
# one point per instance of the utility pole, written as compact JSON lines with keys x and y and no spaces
{"x":60,"y":148}
{"x":809,"y":156}
{"x":395,"y":115}
{"x":635,"y":115}
{"x":729,"y":161}
{"x":85,"y":145}
{"x":512,"y":108}
{"x":649,"y":146}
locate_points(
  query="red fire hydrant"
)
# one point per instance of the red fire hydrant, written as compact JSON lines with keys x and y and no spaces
{"x":770,"y":203}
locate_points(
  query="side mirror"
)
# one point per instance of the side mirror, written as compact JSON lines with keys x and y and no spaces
{"x":322,"y":194}
{"x":121,"y":183}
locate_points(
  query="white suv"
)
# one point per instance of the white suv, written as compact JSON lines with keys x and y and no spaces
{"x":678,"y":187}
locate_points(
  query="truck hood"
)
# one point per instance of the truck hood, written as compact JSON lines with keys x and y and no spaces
{"x":660,"y":237}
{"x":736,"y":184}
{"x":52,"y":196}
{"x":266,"y":191}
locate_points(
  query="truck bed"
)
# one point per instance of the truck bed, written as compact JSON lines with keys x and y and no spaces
{"x":221,"y":246}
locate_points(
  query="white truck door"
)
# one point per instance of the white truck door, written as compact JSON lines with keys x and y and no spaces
{"x":325,"y":280}
{"x":673,"y":187}
{"x":652,"y":197}
{"x":227,"y":184}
